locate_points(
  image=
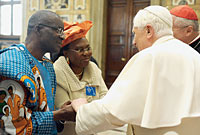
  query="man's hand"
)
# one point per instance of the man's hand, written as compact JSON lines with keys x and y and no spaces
{"x":78,"y":102}
{"x":66,"y":104}
{"x":66,"y":112}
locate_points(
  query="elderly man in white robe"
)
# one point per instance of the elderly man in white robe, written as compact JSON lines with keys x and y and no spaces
{"x":157,"y":92}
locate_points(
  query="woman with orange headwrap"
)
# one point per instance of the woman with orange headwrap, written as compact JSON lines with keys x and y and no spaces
{"x":76,"y":76}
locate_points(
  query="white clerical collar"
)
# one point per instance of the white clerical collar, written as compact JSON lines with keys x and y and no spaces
{"x":163,"y":39}
{"x":195,"y":39}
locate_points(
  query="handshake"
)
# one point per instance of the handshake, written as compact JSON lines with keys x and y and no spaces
{"x":68,"y":110}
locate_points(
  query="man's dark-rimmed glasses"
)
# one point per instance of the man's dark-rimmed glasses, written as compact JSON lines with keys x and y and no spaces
{"x":59,"y":30}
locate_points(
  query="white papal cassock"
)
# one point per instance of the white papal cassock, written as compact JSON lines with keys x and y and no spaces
{"x":158,"y":92}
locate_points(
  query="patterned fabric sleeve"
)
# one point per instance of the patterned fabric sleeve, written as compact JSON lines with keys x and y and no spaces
{"x":16,"y":63}
{"x":43,"y":123}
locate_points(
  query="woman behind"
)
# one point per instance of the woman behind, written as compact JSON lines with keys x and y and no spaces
{"x":77,"y":76}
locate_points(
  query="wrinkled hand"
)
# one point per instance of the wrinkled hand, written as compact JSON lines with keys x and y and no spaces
{"x":78,"y":102}
{"x":66,"y":112}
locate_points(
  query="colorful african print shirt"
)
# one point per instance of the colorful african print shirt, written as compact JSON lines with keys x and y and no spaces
{"x":30,"y":86}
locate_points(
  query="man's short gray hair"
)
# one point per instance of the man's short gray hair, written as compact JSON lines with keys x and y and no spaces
{"x":41,"y":16}
{"x":182,"y":22}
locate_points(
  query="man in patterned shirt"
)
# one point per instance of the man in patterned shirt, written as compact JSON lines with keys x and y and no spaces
{"x":21,"y":65}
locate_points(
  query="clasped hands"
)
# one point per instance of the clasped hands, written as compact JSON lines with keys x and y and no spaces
{"x":68,"y":110}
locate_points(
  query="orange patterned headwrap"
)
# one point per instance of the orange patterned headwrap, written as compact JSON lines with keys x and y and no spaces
{"x":75,"y":31}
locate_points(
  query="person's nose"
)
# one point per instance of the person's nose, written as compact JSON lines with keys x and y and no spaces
{"x":86,"y":52}
{"x":133,"y":42}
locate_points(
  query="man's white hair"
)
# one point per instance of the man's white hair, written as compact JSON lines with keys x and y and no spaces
{"x":158,"y":17}
{"x":182,"y":22}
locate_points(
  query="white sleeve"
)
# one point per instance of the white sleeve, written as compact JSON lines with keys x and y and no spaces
{"x":94,"y":118}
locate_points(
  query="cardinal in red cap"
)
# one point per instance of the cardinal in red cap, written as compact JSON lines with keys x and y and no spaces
{"x":185,"y":25}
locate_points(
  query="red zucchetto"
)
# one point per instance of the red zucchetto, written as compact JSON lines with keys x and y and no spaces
{"x":184,"y":11}
{"x":75,"y":31}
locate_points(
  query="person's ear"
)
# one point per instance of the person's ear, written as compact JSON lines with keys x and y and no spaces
{"x":149,"y":31}
{"x":189,"y":30}
{"x":66,"y":56}
{"x":37,"y":29}
{"x":65,"y":53}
